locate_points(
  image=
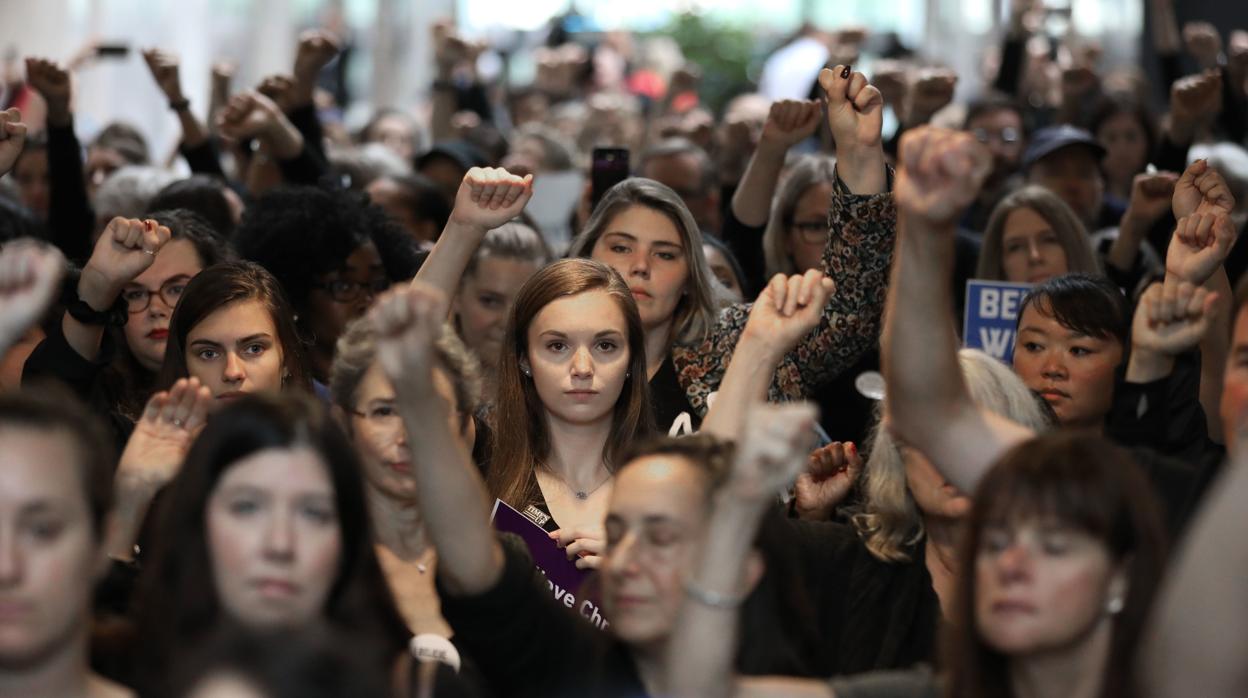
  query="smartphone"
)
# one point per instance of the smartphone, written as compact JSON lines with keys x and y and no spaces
{"x":113,"y":50}
{"x":609,"y":169}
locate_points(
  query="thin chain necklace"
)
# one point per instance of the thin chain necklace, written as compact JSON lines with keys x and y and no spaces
{"x":579,"y":494}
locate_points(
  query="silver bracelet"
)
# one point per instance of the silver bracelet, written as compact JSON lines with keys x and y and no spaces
{"x":713,"y":599}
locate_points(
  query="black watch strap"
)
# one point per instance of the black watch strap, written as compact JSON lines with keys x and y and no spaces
{"x":81,"y":311}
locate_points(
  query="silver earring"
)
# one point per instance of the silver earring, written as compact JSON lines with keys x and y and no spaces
{"x":628,"y":373}
{"x":1115,"y":606}
{"x":525,"y":370}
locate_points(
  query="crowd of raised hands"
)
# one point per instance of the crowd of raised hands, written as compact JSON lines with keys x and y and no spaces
{"x":350,"y":414}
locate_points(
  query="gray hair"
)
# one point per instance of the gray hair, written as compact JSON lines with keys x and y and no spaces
{"x":890,"y":521}
{"x":809,"y":171}
{"x":511,"y":240}
{"x":672,"y":147}
{"x":128,"y":191}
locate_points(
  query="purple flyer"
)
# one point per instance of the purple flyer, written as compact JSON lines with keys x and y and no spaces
{"x":562,"y":574}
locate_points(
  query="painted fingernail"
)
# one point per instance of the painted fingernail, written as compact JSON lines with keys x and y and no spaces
{"x":846,"y":71}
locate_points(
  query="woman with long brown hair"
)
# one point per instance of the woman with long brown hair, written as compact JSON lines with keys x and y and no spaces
{"x":572,"y":395}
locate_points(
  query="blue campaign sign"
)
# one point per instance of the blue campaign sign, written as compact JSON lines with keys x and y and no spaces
{"x":991,"y":316}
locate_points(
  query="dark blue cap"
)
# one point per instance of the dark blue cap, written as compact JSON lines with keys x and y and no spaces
{"x":1051,"y":139}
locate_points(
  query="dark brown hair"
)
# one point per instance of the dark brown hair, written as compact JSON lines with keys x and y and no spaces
{"x":179,"y":604}
{"x":1089,"y":484}
{"x":520,"y":432}
{"x":219,"y":286}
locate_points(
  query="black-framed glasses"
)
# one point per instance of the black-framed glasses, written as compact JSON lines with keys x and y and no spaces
{"x":138,"y":298}
{"x":1007,"y":135}
{"x":347,"y":291}
{"x":811,"y":232}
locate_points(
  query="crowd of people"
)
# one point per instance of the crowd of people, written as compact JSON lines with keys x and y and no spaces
{"x":257,"y":423}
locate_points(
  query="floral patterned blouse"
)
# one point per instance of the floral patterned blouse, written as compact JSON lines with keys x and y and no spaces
{"x":857,"y":259}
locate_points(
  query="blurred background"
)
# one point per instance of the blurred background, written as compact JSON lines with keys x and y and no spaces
{"x":389,"y":61}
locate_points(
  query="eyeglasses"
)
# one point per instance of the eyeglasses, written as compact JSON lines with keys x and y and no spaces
{"x":346,"y":291}
{"x":811,"y":232}
{"x":1006,"y":135}
{"x":382,"y":416}
{"x":138,"y":298}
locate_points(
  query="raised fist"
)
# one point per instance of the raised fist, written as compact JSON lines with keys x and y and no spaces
{"x":789,"y":308}
{"x":490,"y":196}
{"x":1200,"y":244}
{"x":931,"y":91}
{"x":855,"y":108}
{"x":1204,"y":43}
{"x":125,"y":249}
{"x":164,"y":69}
{"x":940,"y":173}
{"x":30,"y":276}
{"x":830,"y":474}
{"x":316,"y":49}
{"x":1201,"y":190}
{"x":773,"y":450}
{"x":1171,"y":318}
{"x":53,"y":83}
{"x":1194,"y":101}
{"x":408,"y":322}
{"x":791,"y":121}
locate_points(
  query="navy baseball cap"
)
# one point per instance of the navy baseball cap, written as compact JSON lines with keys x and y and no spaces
{"x":1051,"y":139}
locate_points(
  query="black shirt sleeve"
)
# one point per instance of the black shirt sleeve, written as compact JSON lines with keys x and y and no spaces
{"x":203,"y":159}
{"x":70,"y":218}
{"x":1164,"y":415}
{"x":746,"y":243}
{"x":54,"y":358}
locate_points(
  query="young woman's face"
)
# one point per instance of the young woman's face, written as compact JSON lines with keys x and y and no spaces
{"x":159,"y":288}
{"x":484,"y":301}
{"x":351,"y":290}
{"x":49,"y":555}
{"x":274,"y":538}
{"x":1031,"y":252}
{"x":381,"y":439}
{"x":808,"y":233}
{"x":578,"y":357}
{"x":653,"y":525}
{"x":1073,"y":372}
{"x":646,"y":249}
{"x":235,"y":350}
{"x":1041,"y":586}
{"x":1126,"y":146}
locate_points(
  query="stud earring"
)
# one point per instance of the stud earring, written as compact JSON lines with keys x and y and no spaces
{"x":628,"y":373}
{"x":1115,"y":606}
{"x":525,"y":370}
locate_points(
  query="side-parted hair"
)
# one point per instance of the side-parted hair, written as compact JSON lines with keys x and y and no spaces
{"x":356,"y":353}
{"x":51,"y":409}
{"x":511,"y":240}
{"x":521,"y":435}
{"x":222,"y":285}
{"x":1071,"y":235}
{"x":890,"y":523}
{"x":180,"y":605}
{"x":807,"y":172}
{"x":1090,"y":305}
{"x":1089,"y":484}
{"x":698,"y":310}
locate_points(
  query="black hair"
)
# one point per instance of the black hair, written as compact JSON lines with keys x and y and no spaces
{"x":423,"y":199}
{"x":210,"y":244}
{"x":179,"y":602}
{"x":1084,"y":303}
{"x":200,"y":194}
{"x":301,"y":233}
{"x":1110,"y":107}
{"x":53,"y":410}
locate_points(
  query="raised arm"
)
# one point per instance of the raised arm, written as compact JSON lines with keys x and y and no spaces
{"x":451,"y":495}
{"x":153,"y":456}
{"x":12,"y":138}
{"x":789,"y":122}
{"x":164,"y":68}
{"x":701,"y":652}
{"x":70,"y":218}
{"x":1205,"y":235}
{"x":1195,"y":645}
{"x":487,"y":198}
{"x":785,"y":311}
{"x":927,"y":398}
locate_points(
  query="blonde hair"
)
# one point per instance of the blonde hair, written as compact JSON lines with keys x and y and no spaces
{"x":890,"y":521}
{"x":807,"y":172}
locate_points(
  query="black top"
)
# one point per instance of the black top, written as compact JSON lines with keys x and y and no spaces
{"x":873,"y":614}
{"x":746,"y":243}
{"x":673,"y":413}
{"x":529,"y":645}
